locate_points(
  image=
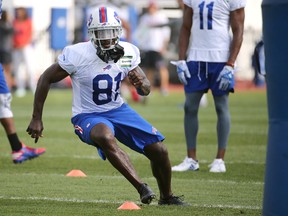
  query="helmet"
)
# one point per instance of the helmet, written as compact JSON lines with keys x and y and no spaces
{"x":104,"y":28}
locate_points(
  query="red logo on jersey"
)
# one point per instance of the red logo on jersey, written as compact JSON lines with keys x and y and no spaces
{"x":108,"y":67}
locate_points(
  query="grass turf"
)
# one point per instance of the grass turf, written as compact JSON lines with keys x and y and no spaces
{"x":40,"y":187}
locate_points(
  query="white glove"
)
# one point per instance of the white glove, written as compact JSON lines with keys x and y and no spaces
{"x":182,"y":70}
{"x":225,"y":77}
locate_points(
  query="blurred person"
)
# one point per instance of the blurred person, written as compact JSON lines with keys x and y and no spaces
{"x":99,"y":114}
{"x":22,"y":54}
{"x":6,"y":47}
{"x":153,"y":38}
{"x":258,"y":64}
{"x":20,"y":152}
{"x":210,"y":64}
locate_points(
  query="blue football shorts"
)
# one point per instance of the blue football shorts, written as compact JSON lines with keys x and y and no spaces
{"x":204,"y":76}
{"x":3,"y":85}
{"x":127,"y":126}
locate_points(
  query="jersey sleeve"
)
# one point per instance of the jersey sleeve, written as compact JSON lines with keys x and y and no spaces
{"x":188,"y":3}
{"x":236,"y":4}
{"x":131,"y":58}
{"x":65,"y":60}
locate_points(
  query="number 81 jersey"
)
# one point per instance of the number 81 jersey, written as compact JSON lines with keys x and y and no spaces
{"x":96,"y":84}
{"x":210,"y":37}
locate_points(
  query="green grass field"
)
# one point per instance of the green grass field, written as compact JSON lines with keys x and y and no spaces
{"x":41,"y":187}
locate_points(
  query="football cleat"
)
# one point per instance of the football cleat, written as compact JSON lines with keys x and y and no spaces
{"x":146,"y":194}
{"x":217,"y":166}
{"x":186,"y":165}
{"x":173,"y":200}
{"x":26,"y":153}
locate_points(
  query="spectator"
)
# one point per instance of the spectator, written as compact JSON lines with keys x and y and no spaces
{"x":258,"y":63}
{"x":153,"y":38}
{"x":6,"y":47}
{"x":209,"y":65}
{"x":22,"y":52}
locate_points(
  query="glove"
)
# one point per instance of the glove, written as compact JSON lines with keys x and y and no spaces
{"x":225,"y":77}
{"x":182,"y":70}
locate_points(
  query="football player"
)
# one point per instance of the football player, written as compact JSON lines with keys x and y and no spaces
{"x":99,"y":114}
{"x":209,"y":64}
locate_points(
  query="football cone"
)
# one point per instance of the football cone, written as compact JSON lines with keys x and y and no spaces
{"x":129,"y":206}
{"x":76,"y":173}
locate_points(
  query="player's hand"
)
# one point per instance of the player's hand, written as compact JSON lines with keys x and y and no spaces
{"x":135,"y":79}
{"x":182,"y":70}
{"x":35,"y":129}
{"x":225,"y":77}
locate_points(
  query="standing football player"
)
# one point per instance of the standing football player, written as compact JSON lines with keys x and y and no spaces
{"x":20,"y":152}
{"x":210,"y":64}
{"x":99,"y":114}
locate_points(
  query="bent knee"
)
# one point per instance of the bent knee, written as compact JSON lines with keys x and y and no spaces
{"x":157,"y":150}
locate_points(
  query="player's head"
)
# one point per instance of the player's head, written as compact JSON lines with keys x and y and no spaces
{"x":104,"y":28}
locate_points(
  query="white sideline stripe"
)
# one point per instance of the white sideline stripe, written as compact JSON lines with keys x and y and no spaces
{"x":120,"y":202}
{"x":132,"y":156}
{"x":150,"y":178}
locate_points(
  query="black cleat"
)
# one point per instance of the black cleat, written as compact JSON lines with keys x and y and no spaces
{"x":146,"y":194}
{"x":173,"y":200}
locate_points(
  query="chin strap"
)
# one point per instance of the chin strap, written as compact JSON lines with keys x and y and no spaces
{"x":113,"y":54}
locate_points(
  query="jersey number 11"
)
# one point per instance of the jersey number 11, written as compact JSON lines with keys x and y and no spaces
{"x":209,"y":14}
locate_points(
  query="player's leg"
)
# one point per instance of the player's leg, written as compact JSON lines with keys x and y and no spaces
{"x":7,"y":121}
{"x":191,"y":124}
{"x":221,"y":101}
{"x":191,"y":108}
{"x":20,"y":152}
{"x":223,"y":130}
{"x":161,"y":167}
{"x":223,"y":123}
{"x":104,"y":137}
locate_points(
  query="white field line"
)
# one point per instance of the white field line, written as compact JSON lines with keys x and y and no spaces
{"x":133,"y":156}
{"x":58,"y":199}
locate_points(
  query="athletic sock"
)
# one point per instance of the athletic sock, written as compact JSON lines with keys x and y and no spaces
{"x":15,"y":143}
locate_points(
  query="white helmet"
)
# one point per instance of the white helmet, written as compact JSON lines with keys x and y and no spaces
{"x":104,"y":28}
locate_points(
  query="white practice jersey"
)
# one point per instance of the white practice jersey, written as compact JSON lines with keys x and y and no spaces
{"x":96,"y":84}
{"x":210,"y":36}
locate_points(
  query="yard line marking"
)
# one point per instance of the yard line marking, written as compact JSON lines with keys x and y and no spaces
{"x":74,"y":200}
{"x":134,"y":156}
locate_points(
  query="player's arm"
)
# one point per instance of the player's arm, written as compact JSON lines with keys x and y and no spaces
{"x":185,"y":32}
{"x":52,"y":74}
{"x":237,"y":25}
{"x":139,"y":80}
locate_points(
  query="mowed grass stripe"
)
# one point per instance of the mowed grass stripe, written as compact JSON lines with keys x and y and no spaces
{"x":204,"y":181}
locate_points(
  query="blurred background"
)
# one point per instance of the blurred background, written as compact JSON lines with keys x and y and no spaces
{"x":58,"y":23}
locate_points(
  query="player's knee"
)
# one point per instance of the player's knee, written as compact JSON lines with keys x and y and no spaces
{"x":104,"y":138}
{"x":190,"y":108}
{"x":156,"y":151}
{"x":5,"y":109}
{"x":105,"y":141}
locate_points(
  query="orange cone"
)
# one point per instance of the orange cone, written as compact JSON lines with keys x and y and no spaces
{"x":76,"y":173}
{"x":129,"y":206}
